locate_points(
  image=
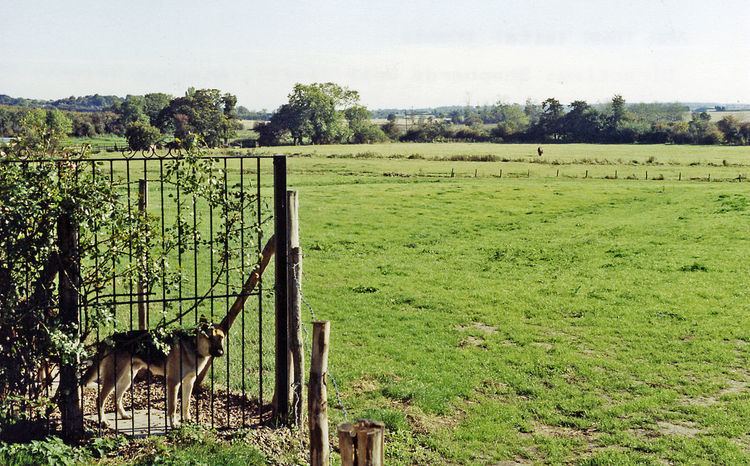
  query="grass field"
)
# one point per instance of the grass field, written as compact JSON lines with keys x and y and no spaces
{"x":543,"y":319}
{"x":533,"y":320}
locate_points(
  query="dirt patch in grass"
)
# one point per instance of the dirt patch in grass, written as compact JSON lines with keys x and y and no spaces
{"x":471,"y":341}
{"x":365,"y":385}
{"x":684,"y":428}
{"x":481,"y":326}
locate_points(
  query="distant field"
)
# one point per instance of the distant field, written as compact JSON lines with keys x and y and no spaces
{"x":595,"y":154}
{"x":742,"y":115}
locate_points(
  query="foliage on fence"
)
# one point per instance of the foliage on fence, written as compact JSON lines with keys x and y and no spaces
{"x":39,"y":184}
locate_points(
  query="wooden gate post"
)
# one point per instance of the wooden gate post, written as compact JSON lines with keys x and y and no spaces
{"x":362,"y":443}
{"x":317,"y":397}
{"x":281,"y":386}
{"x":69,"y":283}
{"x":295,"y":358}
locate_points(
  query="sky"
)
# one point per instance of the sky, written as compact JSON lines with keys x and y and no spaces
{"x":397,"y":54}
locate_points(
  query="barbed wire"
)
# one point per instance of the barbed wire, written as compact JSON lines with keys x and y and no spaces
{"x":314,"y":317}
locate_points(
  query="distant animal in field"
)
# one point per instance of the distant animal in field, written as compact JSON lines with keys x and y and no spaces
{"x":539,"y":151}
{"x":124,"y":354}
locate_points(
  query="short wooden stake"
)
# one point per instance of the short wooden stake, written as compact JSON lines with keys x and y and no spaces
{"x":317,"y":396}
{"x":709,"y":177}
{"x":615,"y":174}
{"x":452,"y":173}
{"x":646,"y":174}
{"x":475,"y":173}
{"x":587,"y":174}
{"x":362,"y":443}
{"x":501,"y":173}
{"x":142,"y":206}
{"x":558,"y":173}
{"x":679,"y":178}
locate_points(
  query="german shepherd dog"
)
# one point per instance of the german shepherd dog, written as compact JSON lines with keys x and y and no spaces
{"x":124,"y":354}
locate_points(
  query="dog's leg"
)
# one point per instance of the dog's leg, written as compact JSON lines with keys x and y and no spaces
{"x":124,"y":381}
{"x":173,"y":385}
{"x":106,"y":380}
{"x":187,"y":390}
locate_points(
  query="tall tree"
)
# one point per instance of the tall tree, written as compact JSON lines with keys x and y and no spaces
{"x":315,"y":113}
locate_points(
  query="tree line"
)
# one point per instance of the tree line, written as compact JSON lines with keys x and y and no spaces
{"x":326,"y":113}
{"x":145,"y":120}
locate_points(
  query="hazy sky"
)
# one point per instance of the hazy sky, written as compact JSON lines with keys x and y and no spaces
{"x":407,"y":53}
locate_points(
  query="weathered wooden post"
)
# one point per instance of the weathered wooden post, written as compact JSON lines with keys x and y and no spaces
{"x":295,"y":358}
{"x":142,"y":206}
{"x":501,"y":173}
{"x":317,"y":397}
{"x":646,"y":174}
{"x":452,"y":173}
{"x":558,"y":173}
{"x":281,"y":368}
{"x":615,"y":174}
{"x":68,"y":285}
{"x":587,"y":174}
{"x":680,"y":177}
{"x":362,"y":443}
{"x":475,"y":173}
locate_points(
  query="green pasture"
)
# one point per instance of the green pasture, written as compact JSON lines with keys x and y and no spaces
{"x":533,"y":320}
{"x":544,"y":319}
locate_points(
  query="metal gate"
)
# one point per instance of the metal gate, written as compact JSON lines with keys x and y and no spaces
{"x":193,"y":249}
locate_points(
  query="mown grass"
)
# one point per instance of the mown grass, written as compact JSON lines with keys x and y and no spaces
{"x":542,"y":319}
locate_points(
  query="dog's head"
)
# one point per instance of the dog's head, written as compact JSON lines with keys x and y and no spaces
{"x":210,"y":339}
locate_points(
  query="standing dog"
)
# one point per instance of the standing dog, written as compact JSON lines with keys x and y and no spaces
{"x":123,"y":355}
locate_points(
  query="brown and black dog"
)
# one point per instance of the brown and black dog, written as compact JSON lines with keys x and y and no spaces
{"x":124,"y":354}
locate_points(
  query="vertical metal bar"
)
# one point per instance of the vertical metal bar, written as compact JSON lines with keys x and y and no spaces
{"x":130,"y":298}
{"x":163,"y":267}
{"x":281,"y":385}
{"x":142,"y":206}
{"x":211,"y":274}
{"x":143,"y":290}
{"x":179,"y":283}
{"x":114,"y":297}
{"x":226,"y":276}
{"x":260,"y":296}
{"x":96,"y":297}
{"x":242,"y":277}
{"x":195,"y":275}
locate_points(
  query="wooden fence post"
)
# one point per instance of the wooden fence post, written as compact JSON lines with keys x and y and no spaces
{"x":317,"y":397}
{"x":452,"y":173}
{"x":295,"y":358}
{"x":501,"y":173}
{"x":142,"y":206}
{"x":68,"y":285}
{"x":558,"y":173}
{"x":362,"y":443}
{"x":680,"y":177}
{"x":587,"y":174}
{"x":281,"y":367}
